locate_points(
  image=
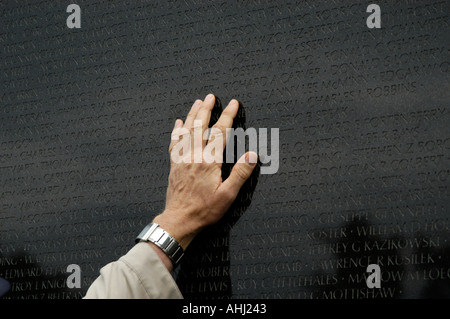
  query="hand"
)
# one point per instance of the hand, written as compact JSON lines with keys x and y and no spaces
{"x":196,"y":195}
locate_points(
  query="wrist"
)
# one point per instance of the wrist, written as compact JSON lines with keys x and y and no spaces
{"x":153,"y":233}
{"x":162,"y":255}
{"x":182,"y":230}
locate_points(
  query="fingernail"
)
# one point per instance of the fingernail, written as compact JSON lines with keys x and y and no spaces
{"x":251,"y":158}
{"x":234,"y":102}
{"x":209,"y":97}
{"x":178,"y":123}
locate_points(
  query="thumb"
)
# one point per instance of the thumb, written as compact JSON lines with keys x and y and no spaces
{"x":239,"y":174}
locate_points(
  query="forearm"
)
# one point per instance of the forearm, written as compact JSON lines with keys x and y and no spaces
{"x":141,"y":273}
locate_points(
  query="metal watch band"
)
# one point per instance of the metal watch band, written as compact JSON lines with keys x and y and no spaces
{"x":155,"y":234}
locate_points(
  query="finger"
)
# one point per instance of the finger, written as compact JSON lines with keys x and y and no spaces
{"x":204,"y":113}
{"x":178,"y":123}
{"x":239,"y":174}
{"x":192,"y":114}
{"x":175,"y":136}
{"x":225,"y":121}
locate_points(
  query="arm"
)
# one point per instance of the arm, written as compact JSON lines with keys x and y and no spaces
{"x":140,"y":274}
{"x":196,"y":197}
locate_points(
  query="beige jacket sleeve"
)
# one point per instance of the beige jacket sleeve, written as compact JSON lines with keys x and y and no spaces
{"x":139,"y":274}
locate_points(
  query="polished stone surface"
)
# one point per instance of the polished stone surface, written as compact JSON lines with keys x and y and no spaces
{"x":364,"y":141}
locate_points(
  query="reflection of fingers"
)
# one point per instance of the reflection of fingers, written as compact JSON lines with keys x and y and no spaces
{"x":224,"y":122}
{"x":192,"y":114}
{"x":204,"y":113}
{"x":239,"y":174}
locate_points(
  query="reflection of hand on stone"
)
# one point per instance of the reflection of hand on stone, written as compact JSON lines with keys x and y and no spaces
{"x":196,"y":195}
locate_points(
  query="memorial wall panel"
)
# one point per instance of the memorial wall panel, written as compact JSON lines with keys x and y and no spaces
{"x":364,"y":143}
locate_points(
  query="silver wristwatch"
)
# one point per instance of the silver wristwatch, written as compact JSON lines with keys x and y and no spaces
{"x":155,"y":234}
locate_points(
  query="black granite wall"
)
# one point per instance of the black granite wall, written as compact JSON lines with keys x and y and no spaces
{"x":364,"y":140}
